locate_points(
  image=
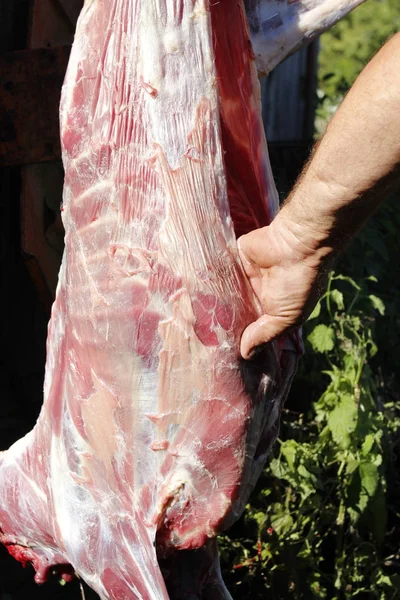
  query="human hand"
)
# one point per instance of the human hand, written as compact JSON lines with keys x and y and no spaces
{"x":287,"y":275}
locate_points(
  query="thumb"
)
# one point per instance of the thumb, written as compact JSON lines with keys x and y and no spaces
{"x":243,"y":250}
{"x":265,"y":329}
{"x":253,"y":246}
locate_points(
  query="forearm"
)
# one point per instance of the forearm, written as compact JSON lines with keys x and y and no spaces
{"x":353,"y":167}
{"x":356,"y":162}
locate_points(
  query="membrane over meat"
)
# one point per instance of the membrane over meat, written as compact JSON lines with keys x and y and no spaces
{"x":153,"y":430}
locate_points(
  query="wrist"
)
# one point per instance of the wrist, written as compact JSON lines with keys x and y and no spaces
{"x":318,"y":214}
{"x":308,"y":239}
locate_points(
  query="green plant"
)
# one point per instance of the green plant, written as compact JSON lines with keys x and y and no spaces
{"x":347,"y":48}
{"x":316,"y":526}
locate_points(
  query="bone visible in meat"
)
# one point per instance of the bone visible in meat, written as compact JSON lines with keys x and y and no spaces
{"x":280,"y":27}
{"x":153,"y":430}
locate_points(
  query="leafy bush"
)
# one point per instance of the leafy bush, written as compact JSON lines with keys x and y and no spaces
{"x":317,"y":524}
{"x":347,"y":48}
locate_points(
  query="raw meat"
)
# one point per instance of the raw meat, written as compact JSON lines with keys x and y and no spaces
{"x":153,"y":430}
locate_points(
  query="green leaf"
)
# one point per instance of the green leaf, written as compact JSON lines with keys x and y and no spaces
{"x":288,"y":450}
{"x":342,"y":421}
{"x":282,"y":523}
{"x":278,"y":468}
{"x":377,"y":304}
{"x":385,"y":580}
{"x":352,"y":465}
{"x":322,"y":338}
{"x":324,"y":435}
{"x":260,"y":518}
{"x":337,"y":298}
{"x":367,"y":444}
{"x":316,"y":312}
{"x":266,"y":554}
{"x":369,"y":475}
{"x":348,"y":280}
{"x":307,"y":475}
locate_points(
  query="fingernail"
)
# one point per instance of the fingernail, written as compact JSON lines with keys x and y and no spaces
{"x":255,"y":351}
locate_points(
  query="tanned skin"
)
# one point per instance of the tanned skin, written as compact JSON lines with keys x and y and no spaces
{"x":351,"y":170}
